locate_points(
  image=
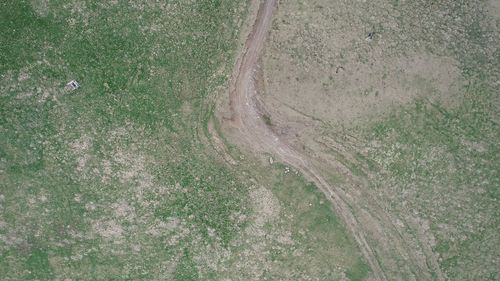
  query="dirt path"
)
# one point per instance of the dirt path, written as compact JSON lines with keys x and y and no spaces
{"x":246,"y":117}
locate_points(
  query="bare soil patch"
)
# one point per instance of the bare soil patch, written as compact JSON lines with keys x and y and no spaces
{"x":324,"y":61}
{"x":358,"y":91}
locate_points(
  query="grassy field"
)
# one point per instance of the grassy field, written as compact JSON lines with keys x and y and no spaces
{"x":438,"y":164}
{"x":115,"y":180}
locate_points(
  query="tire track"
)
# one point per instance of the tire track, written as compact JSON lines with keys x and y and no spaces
{"x":246,"y":117}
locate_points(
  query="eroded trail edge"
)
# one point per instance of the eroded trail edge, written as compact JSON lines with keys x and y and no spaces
{"x":246,"y":118}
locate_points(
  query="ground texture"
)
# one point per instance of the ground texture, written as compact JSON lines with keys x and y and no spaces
{"x":249,"y":140}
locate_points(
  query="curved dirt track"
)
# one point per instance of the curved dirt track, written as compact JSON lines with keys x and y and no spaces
{"x":246,"y":117}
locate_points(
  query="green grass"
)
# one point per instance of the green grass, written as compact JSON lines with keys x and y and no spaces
{"x":443,"y":162}
{"x":134,"y":82}
{"x":321,"y":234}
{"x":186,"y":269}
{"x":447,"y":160}
{"x":267,"y":120}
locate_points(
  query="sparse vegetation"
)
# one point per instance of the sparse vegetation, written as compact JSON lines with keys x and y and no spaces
{"x":267,"y":120}
{"x":410,"y":127}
